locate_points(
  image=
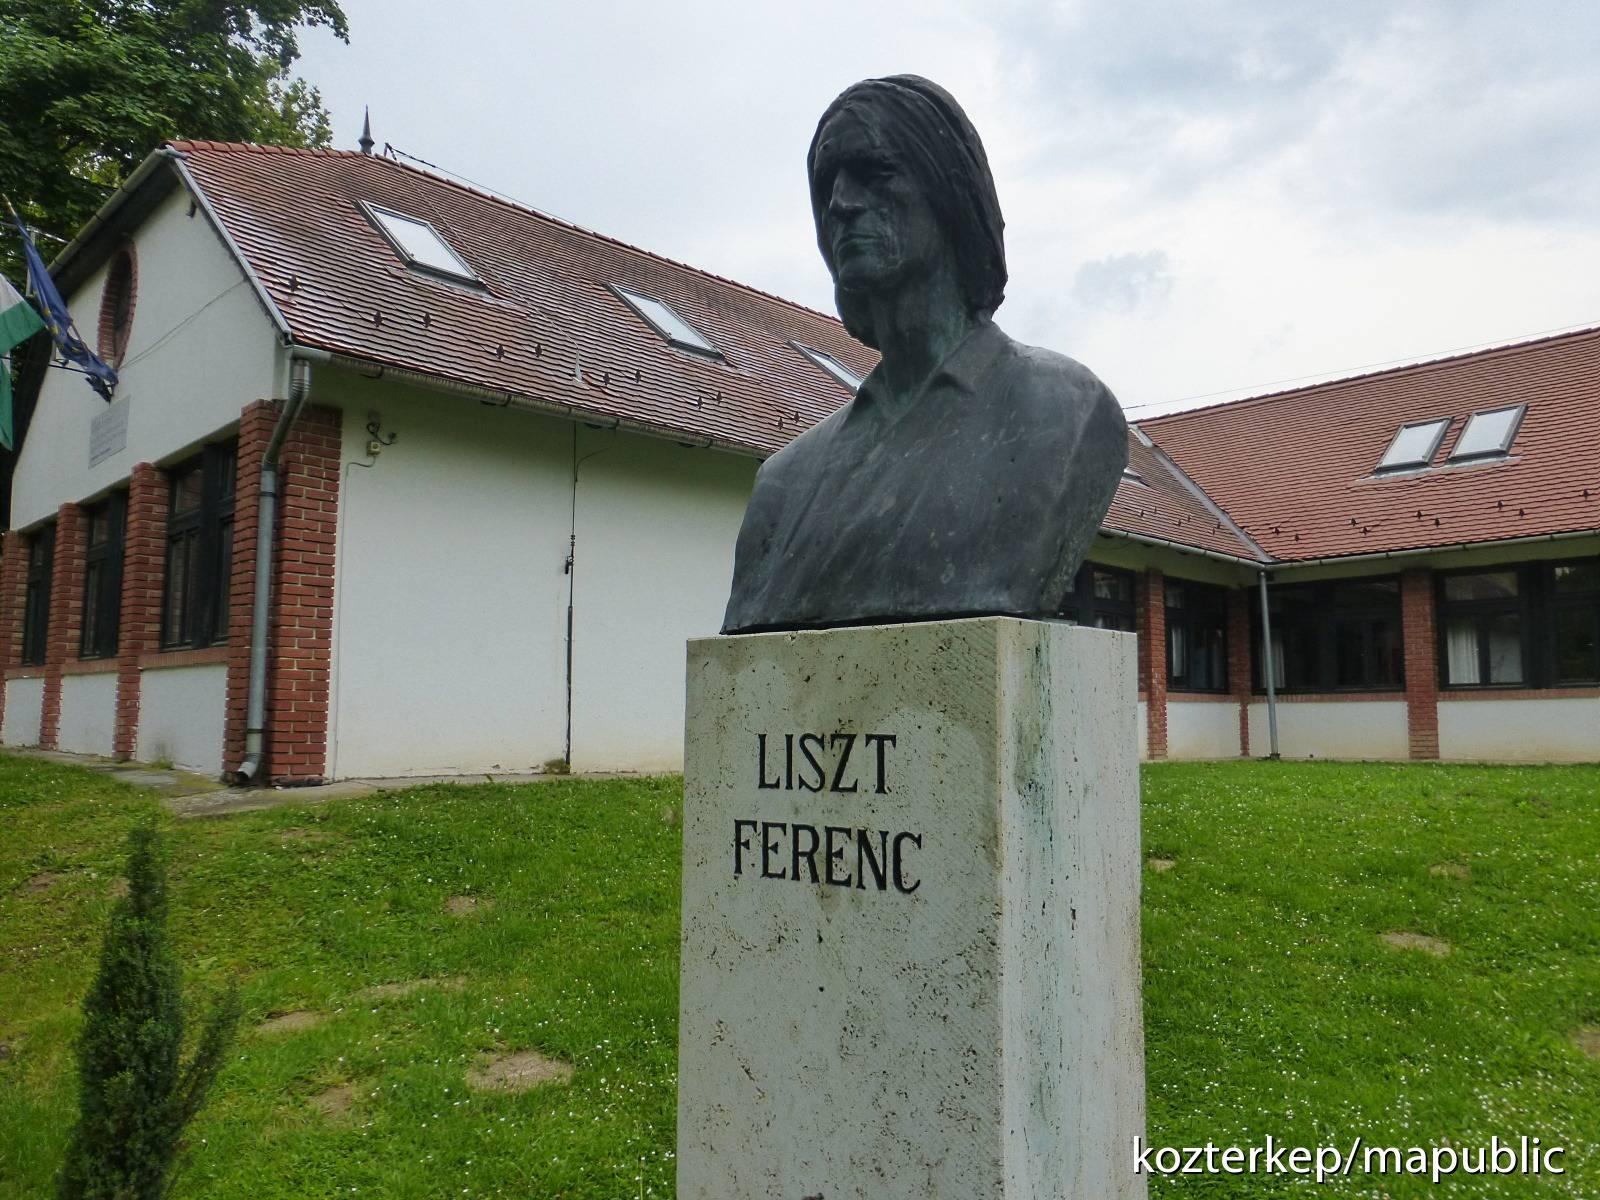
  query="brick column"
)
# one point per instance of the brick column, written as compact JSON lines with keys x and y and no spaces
{"x":255,"y":430}
{"x":1239,"y":660}
{"x":13,"y":593}
{"x":1422,"y":661}
{"x":143,"y":563}
{"x":1153,"y":657}
{"x":300,"y":629}
{"x":66,"y":616}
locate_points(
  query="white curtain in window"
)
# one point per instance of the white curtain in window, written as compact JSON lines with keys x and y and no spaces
{"x":1461,"y":651}
{"x":1277,"y":659}
{"x":1176,"y":651}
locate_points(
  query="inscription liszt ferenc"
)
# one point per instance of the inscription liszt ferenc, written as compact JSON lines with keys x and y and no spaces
{"x":845,"y":856}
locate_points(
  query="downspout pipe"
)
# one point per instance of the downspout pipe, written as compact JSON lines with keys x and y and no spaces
{"x":1268,"y":666}
{"x":255,"y":733}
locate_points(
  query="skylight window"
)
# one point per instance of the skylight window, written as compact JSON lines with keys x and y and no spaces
{"x":1414,"y":445}
{"x":669,"y":324}
{"x":831,"y":365}
{"x":419,"y":243}
{"x":1488,"y":433}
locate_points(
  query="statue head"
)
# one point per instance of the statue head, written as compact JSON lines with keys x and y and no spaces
{"x":901,"y":190}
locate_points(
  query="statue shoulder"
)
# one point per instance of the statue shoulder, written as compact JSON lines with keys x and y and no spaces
{"x":1045,"y":377}
{"x":801,"y":454}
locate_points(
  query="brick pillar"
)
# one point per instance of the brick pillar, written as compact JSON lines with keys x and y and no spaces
{"x":1422,"y":662}
{"x":143,"y":563}
{"x":255,"y":430}
{"x":1239,"y":660}
{"x":13,"y":593}
{"x":66,"y":616}
{"x":1153,"y":657}
{"x":300,"y":630}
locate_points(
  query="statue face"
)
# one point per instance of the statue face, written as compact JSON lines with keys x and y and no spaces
{"x":878,"y":232}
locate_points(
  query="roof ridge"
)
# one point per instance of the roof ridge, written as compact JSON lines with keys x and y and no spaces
{"x":482,"y":193}
{"x":1339,"y":381}
{"x":189,"y":145}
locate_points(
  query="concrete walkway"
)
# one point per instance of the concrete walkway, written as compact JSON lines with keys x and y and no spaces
{"x":189,"y":795}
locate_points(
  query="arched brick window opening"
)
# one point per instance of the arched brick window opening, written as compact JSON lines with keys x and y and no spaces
{"x":116,"y":306}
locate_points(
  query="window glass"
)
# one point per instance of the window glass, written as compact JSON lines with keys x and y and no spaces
{"x":421,"y":243}
{"x":1577,"y":645}
{"x":186,"y":490}
{"x":1113,"y":585}
{"x":1504,"y":635}
{"x":669,"y":324}
{"x":1488,"y":433}
{"x":200,"y":551}
{"x":832,"y":366}
{"x":1491,"y":585}
{"x":1577,"y":576}
{"x":1339,"y":634}
{"x":1413,"y":445}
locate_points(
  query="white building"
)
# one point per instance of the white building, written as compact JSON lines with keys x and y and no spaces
{"x":514,"y":459}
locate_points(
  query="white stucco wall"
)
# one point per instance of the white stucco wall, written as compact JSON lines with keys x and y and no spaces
{"x":1560,"y":729}
{"x":88,"y":713}
{"x":1333,"y":729}
{"x":656,"y":530}
{"x":182,"y":711}
{"x":216,"y":353}
{"x":451,"y":597}
{"x":1202,"y":729}
{"x":24,"y":706}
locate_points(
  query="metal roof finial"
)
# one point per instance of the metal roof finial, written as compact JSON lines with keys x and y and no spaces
{"x":366,"y":142}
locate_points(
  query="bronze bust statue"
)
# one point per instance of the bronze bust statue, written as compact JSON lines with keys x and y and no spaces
{"x":970,"y":472}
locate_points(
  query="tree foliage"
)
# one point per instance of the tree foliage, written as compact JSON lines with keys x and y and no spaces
{"x":135,"y":1096}
{"x":89,"y":87}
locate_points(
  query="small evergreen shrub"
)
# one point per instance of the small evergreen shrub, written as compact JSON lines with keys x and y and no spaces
{"x":135,"y":1095}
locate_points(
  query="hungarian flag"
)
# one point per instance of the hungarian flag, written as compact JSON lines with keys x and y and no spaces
{"x":18,"y":323}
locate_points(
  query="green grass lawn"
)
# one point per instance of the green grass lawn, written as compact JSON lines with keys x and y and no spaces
{"x":1272,"y":1004}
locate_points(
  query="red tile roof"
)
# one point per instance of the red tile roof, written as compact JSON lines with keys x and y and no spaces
{"x":1162,"y":506}
{"x":548,"y":309}
{"x":547,"y":315}
{"x":1295,"y":469}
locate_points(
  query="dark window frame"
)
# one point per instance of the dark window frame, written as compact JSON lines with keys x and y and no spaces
{"x":102,"y":577}
{"x":36,"y":596}
{"x":1584,"y":601}
{"x":1082,"y":606}
{"x":1325,"y":615}
{"x":1537,"y":606}
{"x":1196,"y":621}
{"x":195,"y":589}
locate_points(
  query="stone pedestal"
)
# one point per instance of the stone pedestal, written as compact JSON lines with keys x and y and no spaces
{"x":911,"y":915}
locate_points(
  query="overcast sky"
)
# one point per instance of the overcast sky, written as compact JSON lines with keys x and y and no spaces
{"x":1202,"y":198}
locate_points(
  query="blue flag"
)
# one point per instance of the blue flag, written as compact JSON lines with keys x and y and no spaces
{"x":59,"y":321}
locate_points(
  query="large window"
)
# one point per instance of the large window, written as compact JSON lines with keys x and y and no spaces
{"x":36,"y":598}
{"x":1336,"y":635}
{"x":1102,"y":597}
{"x":102,"y":577}
{"x":1522,"y":625}
{"x":194,"y":610}
{"x":1197,"y":637}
